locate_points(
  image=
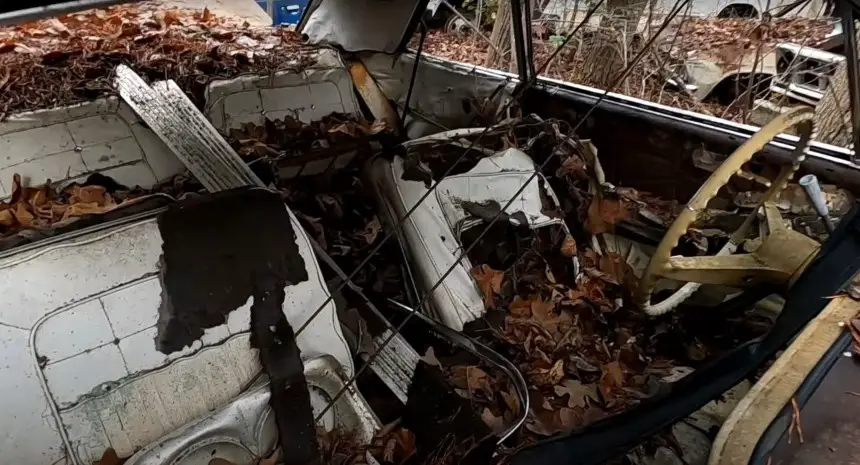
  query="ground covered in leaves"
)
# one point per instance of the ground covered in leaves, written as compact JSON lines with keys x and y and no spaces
{"x":727,"y":41}
{"x":70,"y":59}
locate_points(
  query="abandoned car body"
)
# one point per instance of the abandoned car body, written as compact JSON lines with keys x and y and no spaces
{"x":186,"y":396}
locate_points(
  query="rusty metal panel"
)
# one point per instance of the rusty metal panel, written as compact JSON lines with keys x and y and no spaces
{"x":373,"y":95}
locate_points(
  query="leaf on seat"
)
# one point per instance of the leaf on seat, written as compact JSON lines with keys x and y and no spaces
{"x":489,"y":282}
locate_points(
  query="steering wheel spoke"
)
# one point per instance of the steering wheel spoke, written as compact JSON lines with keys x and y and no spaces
{"x":729,"y":270}
{"x":773,"y":219}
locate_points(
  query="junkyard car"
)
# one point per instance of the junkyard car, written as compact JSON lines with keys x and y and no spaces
{"x":86,"y":367}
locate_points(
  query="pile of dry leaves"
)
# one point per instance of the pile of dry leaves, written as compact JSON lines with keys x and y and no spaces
{"x":46,"y":207}
{"x":69,"y":59}
{"x":318,"y":166}
{"x":291,"y":138}
{"x":585,"y":351}
{"x":337,"y":209}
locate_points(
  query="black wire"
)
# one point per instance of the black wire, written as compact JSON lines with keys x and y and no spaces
{"x":523,"y":86}
{"x":423,"y":28}
{"x":447,"y":172}
{"x":519,"y":37}
{"x":674,"y":12}
{"x":529,"y":45}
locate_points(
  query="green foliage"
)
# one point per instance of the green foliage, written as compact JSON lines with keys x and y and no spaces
{"x":556,"y":40}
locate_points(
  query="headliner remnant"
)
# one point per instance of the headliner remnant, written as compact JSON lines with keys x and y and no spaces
{"x":361,"y":25}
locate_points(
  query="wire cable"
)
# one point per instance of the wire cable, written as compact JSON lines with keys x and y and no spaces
{"x":412,"y":78}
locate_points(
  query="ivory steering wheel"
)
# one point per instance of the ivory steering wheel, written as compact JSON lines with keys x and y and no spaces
{"x":725,"y":267}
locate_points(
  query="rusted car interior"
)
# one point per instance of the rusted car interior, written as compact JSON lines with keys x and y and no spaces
{"x":410,"y":260}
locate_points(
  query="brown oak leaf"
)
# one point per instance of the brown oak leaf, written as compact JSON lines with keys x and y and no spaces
{"x":489,"y":281}
{"x":548,"y":376}
{"x":542,"y":310}
{"x":520,"y":307}
{"x":496,"y":423}
{"x":578,"y":393}
{"x":604,"y":213}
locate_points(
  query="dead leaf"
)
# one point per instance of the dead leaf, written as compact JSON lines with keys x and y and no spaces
{"x":171,"y":17}
{"x":489,"y":282}
{"x":389,"y":451}
{"x":7,"y":219}
{"x":207,"y":15}
{"x":496,"y":423}
{"x":613,"y":370}
{"x":543,"y":423}
{"x":17,"y":189}
{"x":568,"y":247}
{"x":109,"y":457}
{"x":615,"y":266}
{"x":549,"y":423}
{"x":58,"y":27}
{"x":371,"y":230}
{"x":542,"y":310}
{"x":520,"y":307}
{"x":378,"y":126}
{"x":41,"y":197}
{"x":578,"y":393}
{"x":611,"y":378}
{"x":87,"y":194}
{"x":796,"y":424}
{"x":604,"y":213}
{"x":512,"y":401}
{"x":537,"y":401}
{"x":349,"y":129}
{"x":83,"y":209}
{"x":473,"y":379}
{"x":567,"y":418}
{"x":23,"y":216}
{"x":573,"y":164}
{"x":697,"y":351}
{"x":397,"y":444}
{"x":547,"y":377}
{"x":430,"y":358}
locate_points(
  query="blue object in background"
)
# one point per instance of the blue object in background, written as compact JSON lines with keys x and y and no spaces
{"x":284,"y":11}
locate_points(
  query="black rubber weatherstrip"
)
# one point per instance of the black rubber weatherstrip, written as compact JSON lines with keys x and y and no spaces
{"x":837,"y":262}
{"x":777,"y":428}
